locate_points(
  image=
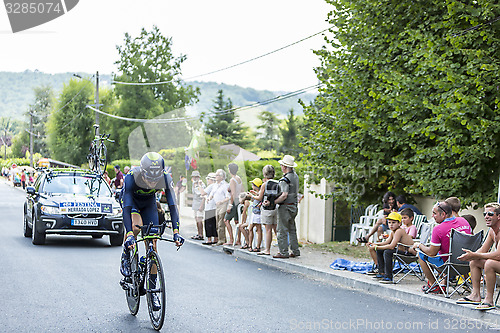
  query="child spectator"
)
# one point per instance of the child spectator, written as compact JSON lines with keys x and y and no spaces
{"x":407,"y":220}
{"x":385,"y":250}
{"x":244,"y":223}
{"x":255,"y":221}
{"x":472,"y":221}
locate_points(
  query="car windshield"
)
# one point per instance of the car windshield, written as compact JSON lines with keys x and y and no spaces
{"x":80,"y":185}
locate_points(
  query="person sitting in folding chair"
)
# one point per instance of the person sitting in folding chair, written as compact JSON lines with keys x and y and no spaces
{"x":440,"y":243}
{"x":385,"y":250}
{"x":483,"y":259}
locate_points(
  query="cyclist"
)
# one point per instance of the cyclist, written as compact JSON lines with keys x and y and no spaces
{"x":139,"y":205}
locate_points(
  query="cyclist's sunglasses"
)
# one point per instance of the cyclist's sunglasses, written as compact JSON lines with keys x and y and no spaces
{"x":488,"y":213}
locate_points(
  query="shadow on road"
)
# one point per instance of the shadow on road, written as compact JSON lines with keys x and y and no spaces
{"x":73,"y":241}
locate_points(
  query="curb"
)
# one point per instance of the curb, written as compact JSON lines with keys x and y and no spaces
{"x":345,"y":279}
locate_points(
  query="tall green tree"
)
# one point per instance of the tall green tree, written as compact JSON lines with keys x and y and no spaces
{"x":148,"y":58}
{"x":409,"y":102}
{"x":268,"y":138}
{"x":40,"y":111}
{"x":70,"y":129}
{"x":290,"y":131}
{"x":225,"y":124}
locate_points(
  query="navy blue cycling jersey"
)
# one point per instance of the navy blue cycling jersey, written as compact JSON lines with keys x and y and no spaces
{"x":138,"y":197}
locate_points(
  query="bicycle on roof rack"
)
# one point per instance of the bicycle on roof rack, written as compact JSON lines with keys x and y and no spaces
{"x":98,"y":151}
{"x":142,"y":270}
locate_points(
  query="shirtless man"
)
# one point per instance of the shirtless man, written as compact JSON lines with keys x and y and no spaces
{"x":483,"y":259}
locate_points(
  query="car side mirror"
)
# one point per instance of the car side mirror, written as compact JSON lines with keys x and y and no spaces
{"x":31,"y":190}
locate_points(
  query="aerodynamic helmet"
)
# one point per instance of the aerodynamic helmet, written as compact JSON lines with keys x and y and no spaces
{"x":152,"y":166}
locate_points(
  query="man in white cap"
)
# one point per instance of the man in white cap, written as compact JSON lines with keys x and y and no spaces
{"x":198,"y":215}
{"x":287,"y":210}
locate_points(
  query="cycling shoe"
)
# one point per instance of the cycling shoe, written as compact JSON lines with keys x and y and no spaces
{"x":125,"y":268}
{"x":155,"y":302}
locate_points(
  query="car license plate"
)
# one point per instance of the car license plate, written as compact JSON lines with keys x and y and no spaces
{"x":85,"y":222}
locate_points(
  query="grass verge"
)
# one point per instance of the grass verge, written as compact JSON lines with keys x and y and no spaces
{"x":342,"y":248}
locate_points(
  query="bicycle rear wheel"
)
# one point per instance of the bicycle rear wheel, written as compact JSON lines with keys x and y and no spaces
{"x":157,"y":316}
{"x":132,"y":294}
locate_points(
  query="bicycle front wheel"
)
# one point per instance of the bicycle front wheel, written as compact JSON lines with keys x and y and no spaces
{"x":157,"y":288}
{"x":132,"y":294}
{"x":102,"y":162}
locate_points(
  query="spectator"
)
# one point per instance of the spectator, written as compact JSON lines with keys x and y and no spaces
{"x":118,"y":178}
{"x":198,"y":214}
{"x":126,"y":169}
{"x":106,"y":177}
{"x":472,"y":221}
{"x":255,"y":219}
{"x":269,"y":214}
{"x":401,"y":203}
{"x":440,"y":242}
{"x":407,"y":216}
{"x":455,"y":205}
{"x":180,"y":187}
{"x":221,"y":196}
{"x":388,"y":206}
{"x":385,"y":250}
{"x":244,"y":223}
{"x":485,"y":260}
{"x":209,"y":207}
{"x":287,"y":210}
{"x":235,"y":185}
{"x":23,"y":179}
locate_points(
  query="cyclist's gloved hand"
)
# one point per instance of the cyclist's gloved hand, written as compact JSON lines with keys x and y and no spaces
{"x":178,"y":239}
{"x":129,"y":242}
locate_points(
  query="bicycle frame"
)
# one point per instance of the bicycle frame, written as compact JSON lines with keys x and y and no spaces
{"x":142,"y":272}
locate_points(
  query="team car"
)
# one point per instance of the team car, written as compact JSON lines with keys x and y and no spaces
{"x":71,"y":202}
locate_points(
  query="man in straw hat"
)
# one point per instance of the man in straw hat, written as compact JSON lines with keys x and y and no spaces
{"x":287,"y":210}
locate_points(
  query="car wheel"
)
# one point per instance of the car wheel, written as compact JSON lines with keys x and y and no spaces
{"x":27,"y":229}
{"x":116,"y":240}
{"x":37,"y":238}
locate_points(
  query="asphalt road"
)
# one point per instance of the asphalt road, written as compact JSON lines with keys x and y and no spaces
{"x":71,"y":284}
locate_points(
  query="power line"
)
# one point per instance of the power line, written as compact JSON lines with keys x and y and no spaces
{"x":222,"y":69}
{"x":180,"y":119}
{"x":476,"y":27}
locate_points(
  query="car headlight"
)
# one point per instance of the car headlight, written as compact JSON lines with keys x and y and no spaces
{"x":51,"y":210}
{"x":117,"y":211}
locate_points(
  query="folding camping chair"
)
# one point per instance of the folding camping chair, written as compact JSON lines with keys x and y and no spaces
{"x":406,"y":260}
{"x":453,"y":267}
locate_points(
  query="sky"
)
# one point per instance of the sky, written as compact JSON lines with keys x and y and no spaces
{"x":212,"y":34}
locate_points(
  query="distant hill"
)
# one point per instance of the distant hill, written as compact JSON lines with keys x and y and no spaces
{"x":16,"y":93}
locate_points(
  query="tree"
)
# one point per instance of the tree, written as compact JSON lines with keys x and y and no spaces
{"x":290,"y":133}
{"x":225,"y":124}
{"x":407,"y":103}
{"x":269,"y":136}
{"x":6,"y":128}
{"x":70,"y":129}
{"x":148,"y":58}
{"x":40,"y":110}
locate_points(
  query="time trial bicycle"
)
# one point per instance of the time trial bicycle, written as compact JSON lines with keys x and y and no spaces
{"x":141,"y":276}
